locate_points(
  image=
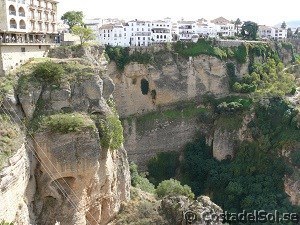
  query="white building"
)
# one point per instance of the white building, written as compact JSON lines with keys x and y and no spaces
{"x":186,"y":29}
{"x":115,"y":35}
{"x":206,"y":29}
{"x":272,"y":32}
{"x":28,"y":20}
{"x":224,"y":27}
{"x":161,"y":31}
{"x":140,"y":32}
{"x":27,"y":30}
{"x":265,"y":31}
{"x":279,"y":33}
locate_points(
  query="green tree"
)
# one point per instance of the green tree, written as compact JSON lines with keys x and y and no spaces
{"x":249,"y":30}
{"x":283,"y":25}
{"x":236,"y":25}
{"x":73,"y":18}
{"x":173,"y":187}
{"x":139,"y":181}
{"x":85,"y":34}
{"x":289,"y":33}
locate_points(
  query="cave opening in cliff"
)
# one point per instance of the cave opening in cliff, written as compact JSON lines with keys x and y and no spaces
{"x":144,"y":86}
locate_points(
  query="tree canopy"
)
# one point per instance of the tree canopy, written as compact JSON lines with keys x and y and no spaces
{"x":73,"y":18}
{"x":85,"y":34}
{"x":283,"y":25}
{"x":249,"y":30}
{"x":236,"y":25}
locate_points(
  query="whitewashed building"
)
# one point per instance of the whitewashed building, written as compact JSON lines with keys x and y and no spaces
{"x":140,"y":32}
{"x":224,"y":27}
{"x":161,"y":31}
{"x":27,"y":30}
{"x":186,"y":30}
{"x":274,"y":33}
{"x":205,"y":28}
{"x":28,"y":20}
{"x":115,"y":35}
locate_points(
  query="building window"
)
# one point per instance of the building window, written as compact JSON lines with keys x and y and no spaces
{"x":12,"y":10}
{"x":13,"y":24}
{"x":22,"y":24}
{"x":21,"y":12}
{"x":23,"y":49}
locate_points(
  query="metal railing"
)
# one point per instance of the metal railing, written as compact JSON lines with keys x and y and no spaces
{"x":22,"y":27}
{"x":14,"y":26}
{"x":22,"y":14}
{"x":12,"y":13}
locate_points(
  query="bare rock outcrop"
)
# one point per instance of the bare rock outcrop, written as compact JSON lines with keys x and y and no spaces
{"x":180,"y":210}
{"x":174,"y":81}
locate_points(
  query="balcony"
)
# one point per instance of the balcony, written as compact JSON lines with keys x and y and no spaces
{"x":20,"y":1}
{"x":13,"y":26}
{"x":22,"y":14}
{"x":22,"y":27}
{"x":12,"y":0}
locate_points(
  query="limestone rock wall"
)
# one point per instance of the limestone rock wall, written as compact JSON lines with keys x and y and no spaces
{"x":178,"y":79}
{"x":144,"y":140}
{"x":17,"y":187}
{"x":75,"y":180}
{"x":95,"y":181}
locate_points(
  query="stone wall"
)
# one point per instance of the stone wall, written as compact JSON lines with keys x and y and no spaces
{"x":12,"y":55}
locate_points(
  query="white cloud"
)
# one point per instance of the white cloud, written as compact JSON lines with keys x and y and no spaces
{"x":263,"y":12}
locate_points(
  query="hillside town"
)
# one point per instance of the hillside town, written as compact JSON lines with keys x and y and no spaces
{"x":117,"y":32}
{"x":29,"y":28}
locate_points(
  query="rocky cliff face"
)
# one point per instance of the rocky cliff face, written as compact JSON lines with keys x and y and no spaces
{"x":145,"y":140}
{"x":17,"y":186}
{"x":176,"y":80}
{"x":76,"y":179}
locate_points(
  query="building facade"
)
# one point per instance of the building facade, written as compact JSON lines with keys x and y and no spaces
{"x":27,"y":30}
{"x":28,"y":21}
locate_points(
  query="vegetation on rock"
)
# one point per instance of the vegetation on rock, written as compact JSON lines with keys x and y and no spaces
{"x":173,"y":188}
{"x":10,"y":138}
{"x":139,"y":181}
{"x":110,"y":131}
{"x":122,"y":56}
{"x":67,"y":123}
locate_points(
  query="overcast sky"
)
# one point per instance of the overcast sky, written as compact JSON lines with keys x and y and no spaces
{"x":261,"y":11}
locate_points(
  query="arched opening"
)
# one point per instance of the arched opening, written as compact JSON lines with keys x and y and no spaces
{"x":12,"y":10}
{"x":22,"y":24}
{"x":21,"y":12}
{"x":144,"y":86}
{"x":13,"y":24}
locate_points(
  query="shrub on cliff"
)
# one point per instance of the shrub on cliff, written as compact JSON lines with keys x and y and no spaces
{"x":110,"y":131}
{"x":173,"y":187}
{"x":48,"y":72}
{"x":241,"y":53}
{"x":139,"y":181}
{"x":67,"y":123}
{"x":10,"y":138}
